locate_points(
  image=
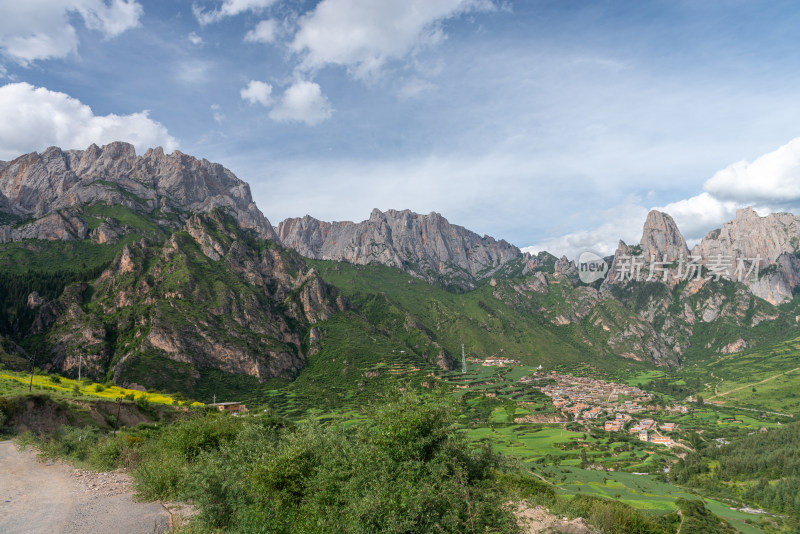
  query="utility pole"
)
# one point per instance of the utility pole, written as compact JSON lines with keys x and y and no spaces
{"x":80,"y":363}
{"x":116,"y":421}
{"x":463,"y":360}
{"x":30,"y":386}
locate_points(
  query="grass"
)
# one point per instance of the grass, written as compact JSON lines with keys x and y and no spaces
{"x":122,"y":214}
{"x":22,"y":257}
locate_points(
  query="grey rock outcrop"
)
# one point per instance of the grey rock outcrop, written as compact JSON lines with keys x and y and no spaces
{"x":773,"y":239}
{"x":425,"y":246}
{"x":615,"y":272}
{"x":51,"y":187}
{"x":778,"y":282}
{"x":751,"y":236}
{"x":662,"y":239}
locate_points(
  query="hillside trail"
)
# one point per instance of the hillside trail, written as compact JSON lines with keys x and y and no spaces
{"x":55,"y":498}
{"x":753,"y":384}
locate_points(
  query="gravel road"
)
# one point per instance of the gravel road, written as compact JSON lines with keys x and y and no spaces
{"x":53,"y":497}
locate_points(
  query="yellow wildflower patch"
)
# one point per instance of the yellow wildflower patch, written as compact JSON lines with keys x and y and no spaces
{"x":92,"y":389}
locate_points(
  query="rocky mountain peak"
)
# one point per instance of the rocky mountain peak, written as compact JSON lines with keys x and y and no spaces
{"x":39,"y":185}
{"x":426,"y":246}
{"x":662,"y":238}
{"x":752,"y":236}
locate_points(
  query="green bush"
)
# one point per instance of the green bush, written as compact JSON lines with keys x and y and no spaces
{"x":405,"y":470}
{"x":169,"y":457}
{"x":70,"y":442}
{"x":107,"y":454}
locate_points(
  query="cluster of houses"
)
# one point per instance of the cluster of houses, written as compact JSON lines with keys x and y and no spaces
{"x":587,"y":398}
{"x":645,"y":429}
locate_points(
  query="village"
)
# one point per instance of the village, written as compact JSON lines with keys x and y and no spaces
{"x":586,"y":399}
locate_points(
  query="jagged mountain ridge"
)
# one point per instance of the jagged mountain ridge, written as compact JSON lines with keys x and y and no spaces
{"x":425,"y":246}
{"x":55,"y":196}
{"x":44,"y":193}
{"x":770,"y":242}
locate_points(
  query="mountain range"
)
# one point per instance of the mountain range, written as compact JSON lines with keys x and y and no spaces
{"x":160,"y":271}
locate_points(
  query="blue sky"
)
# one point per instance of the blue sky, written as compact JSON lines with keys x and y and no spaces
{"x":555,"y":125}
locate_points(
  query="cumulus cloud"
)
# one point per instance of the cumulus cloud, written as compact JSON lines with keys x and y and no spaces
{"x":35,"y":118}
{"x":257,"y":92}
{"x":364,"y":35}
{"x":773,"y":178}
{"x":304,"y":102}
{"x":229,"y":8}
{"x":770,"y":183}
{"x":39,"y":30}
{"x":264,"y":32}
{"x":697,"y":215}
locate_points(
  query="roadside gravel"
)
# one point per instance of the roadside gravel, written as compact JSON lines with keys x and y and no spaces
{"x":53,"y":497}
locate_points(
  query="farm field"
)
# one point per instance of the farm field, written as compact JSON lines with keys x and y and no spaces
{"x":14,"y":383}
{"x":644,"y":492}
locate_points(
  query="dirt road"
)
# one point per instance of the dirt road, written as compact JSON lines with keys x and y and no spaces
{"x":52,"y":497}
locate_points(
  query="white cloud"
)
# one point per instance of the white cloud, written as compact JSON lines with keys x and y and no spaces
{"x":264,"y":32}
{"x":112,"y":19}
{"x":697,"y":215}
{"x":363,"y":35}
{"x":257,"y":92}
{"x":216,"y":112}
{"x":414,"y":88}
{"x":621,"y":222}
{"x":771,"y":178}
{"x":195,"y":39}
{"x":304,"y":102}
{"x":35,"y":118}
{"x":41,"y":29}
{"x":229,"y":8}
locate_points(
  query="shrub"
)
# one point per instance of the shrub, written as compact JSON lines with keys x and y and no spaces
{"x":107,"y":453}
{"x":405,"y":470}
{"x":142,"y":403}
{"x":170,"y":456}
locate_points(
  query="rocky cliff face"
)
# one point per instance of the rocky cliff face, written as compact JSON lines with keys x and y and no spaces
{"x":426,"y":246}
{"x":210,"y":297}
{"x":751,"y":236}
{"x":44,"y":193}
{"x":770,"y":241}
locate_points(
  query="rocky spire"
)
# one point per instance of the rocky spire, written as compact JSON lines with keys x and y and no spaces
{"x":661,"y":238}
